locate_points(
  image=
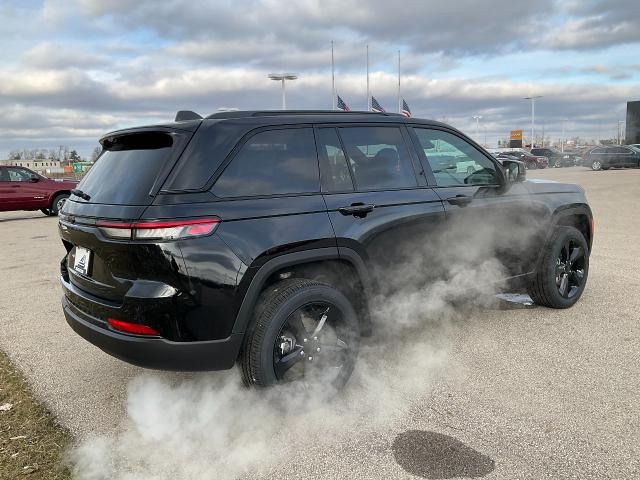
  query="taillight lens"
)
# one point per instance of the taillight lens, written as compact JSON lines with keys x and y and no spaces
{"x":159,"y":230}
{"x":128,"y":327}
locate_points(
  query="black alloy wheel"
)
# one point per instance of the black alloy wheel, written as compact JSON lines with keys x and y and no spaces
{"x":305,"y":333}
{"x":309,"y":344}
{"x":562,"y":271}
{"x":570,"y":269}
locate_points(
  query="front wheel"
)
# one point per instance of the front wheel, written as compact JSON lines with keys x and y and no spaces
{"x":305,"y":332}
{"x":563,"y":270}
{"x":596,"y":165}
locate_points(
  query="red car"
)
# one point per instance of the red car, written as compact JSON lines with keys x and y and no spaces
{"x":23,"y":189}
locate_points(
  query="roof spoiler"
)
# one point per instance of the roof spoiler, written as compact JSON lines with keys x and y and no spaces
{"x":183,"y":115}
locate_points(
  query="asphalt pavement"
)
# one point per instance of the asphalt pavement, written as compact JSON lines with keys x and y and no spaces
{"x":517,"y":392}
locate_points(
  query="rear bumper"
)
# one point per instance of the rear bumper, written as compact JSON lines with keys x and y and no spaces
{"x":153,"y":352}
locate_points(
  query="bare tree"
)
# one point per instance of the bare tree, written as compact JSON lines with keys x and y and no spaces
{"x":96,"y":153}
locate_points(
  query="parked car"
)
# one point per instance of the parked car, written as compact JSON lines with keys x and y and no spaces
{"x":24,"y":189}
{"x":261,"y":238}
{"x":557,"y":158}
{"x":604,"y":158}
{"x":530,"y":161}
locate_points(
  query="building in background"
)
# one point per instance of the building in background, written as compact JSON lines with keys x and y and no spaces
{"x":633,"y":123}
{"x":43,"y":166}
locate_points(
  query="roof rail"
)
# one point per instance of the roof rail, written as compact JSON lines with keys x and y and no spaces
{"x":183,"y":115}
{"x":273,"y":113}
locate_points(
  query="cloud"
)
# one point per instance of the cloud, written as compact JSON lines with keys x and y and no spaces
{"x":129,"y":62}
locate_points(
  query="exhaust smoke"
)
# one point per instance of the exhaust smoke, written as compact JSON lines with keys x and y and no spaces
{"x":210,"y":426}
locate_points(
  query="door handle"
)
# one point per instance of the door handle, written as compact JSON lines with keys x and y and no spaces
{"x":460,"y":200}
{"x":357,"y":209}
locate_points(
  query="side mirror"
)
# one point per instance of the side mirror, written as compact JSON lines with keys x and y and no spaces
{"x":35,"y":178}
{"x":514,"y":171}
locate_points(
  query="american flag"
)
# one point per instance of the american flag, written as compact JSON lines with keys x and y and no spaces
{"x":375,"y":106}
{"x":342,"y":106}
{"x":405,"y":109}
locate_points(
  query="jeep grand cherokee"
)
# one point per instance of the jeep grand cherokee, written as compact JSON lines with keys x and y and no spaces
{"x":254,"y":237}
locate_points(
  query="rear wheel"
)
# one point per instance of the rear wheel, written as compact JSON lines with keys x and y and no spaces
{"x":304,"y":332}
{"x":562,"y":273}
{"x":58,"y":203}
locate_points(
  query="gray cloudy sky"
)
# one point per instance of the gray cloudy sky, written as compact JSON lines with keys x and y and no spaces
{"x":73,"y":70}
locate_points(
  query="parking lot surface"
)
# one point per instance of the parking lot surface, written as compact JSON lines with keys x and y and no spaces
{"x":521,"y":393}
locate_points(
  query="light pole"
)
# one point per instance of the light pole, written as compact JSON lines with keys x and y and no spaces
{"x":620,"y":122}
{"x":281,"y":77}
{"x":477,"y":119}
{"x":533,"y":115}
{"x":563,"y":138}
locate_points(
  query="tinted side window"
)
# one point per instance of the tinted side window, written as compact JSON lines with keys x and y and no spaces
{"x":272,"y":162}
{"x":378,"y":157}
{"x":454,"y":161}
{"x":334,"y":172}
{"x":4,"y":175}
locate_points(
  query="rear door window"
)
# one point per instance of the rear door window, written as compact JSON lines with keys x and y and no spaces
{"x":272,"y":162}
{"x":378,"y":157}
{"x":128,"y":168}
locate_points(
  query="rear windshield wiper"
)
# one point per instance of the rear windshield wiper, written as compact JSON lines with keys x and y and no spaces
{"x":81,"y":194}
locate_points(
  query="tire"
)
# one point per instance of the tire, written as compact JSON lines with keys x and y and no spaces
{"x":557,"y":164}
{"x":596,"y":165}
{"x":547,"y":285}
{"x":58,"y":202}
{"x":46,"y":211}
{"x":280,"y":303}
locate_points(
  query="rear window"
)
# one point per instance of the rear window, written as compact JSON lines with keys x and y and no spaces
{"x":127,"y":169}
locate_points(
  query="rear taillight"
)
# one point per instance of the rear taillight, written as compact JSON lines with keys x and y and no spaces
{"x":158,"y":230}
{"x":128,"y":327}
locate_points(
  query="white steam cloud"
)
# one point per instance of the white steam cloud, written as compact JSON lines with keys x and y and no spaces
{"x":211,"y":427}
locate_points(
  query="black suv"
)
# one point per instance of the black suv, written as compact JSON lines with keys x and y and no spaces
{"x":262,"y":238}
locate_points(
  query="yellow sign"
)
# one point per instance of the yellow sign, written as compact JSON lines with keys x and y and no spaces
{"x":516,"y":135}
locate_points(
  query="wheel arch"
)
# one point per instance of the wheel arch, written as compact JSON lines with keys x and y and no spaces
{"x":344,"y":270}
{"x":578,"y":216}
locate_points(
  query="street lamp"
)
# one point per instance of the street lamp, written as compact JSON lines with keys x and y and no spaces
{"x":620,"y":122}
{"x":533,"y":115}
{"x":281,"y":77}
{"x":477,"y":119}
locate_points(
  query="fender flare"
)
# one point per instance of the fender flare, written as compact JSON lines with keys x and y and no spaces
{"x":570,"y":210}
{"x":260,"y":277}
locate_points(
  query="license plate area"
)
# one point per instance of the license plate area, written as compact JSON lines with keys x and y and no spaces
{"x":82,"y":260}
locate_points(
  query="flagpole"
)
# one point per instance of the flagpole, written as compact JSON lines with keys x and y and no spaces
{"x":368,"y":95}
{"x":333,"y":81}
{"x":399,"y":105}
